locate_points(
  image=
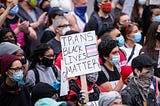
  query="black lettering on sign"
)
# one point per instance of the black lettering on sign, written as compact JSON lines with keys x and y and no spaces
{"x":77,"y":38}
{"x":85,"y":65}
{"x":72,"y":49}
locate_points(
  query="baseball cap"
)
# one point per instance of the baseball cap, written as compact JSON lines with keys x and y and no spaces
{"x":55,"y":11}
{"x":143,"y":61}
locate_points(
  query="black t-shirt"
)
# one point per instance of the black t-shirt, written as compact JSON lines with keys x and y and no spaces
{"x":93,"y":24}
{"x":11,"y":21}
{"x":47,"y":35}
{"x":113,"y":76}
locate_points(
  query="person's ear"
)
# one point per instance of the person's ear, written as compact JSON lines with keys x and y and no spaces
{"x":137,"y":72}
{"x":128,"y":36}
{"x":40,"y":57}
{"x":7,"y":73}
{"x":106,"y":58}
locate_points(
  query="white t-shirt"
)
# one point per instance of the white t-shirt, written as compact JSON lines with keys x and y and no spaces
{"x":129,"y":50}
{"x":80,"y":23}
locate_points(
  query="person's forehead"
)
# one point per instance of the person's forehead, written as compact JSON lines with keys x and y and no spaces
{"x":115,"y":50}
{"x":124,"y":17}
{"x":16,"y":63}
{"x":50,"y":51}
{"x":156,"y":11}
{"x":64,"y":21}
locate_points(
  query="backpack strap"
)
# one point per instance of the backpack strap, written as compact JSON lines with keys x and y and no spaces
{"x":105,"y":72}
{"x":36,"y":75}
{"x":132,"y":53}
{"x":55,"y":70}
{"x":46,"y":30}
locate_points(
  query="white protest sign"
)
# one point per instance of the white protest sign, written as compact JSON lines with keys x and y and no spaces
{"x":80,"y":54}
{"x":92,"y":103}
{"x":64,"y":82}
{"x":155,"y":2}
{"x":128,"y":7}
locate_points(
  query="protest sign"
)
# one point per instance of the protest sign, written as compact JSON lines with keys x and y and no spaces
{"x":92,"y":103}
{"x":80,"y":54}
{"x":64,"y":82}
{"x":128,"y":7}
{"x":154,"y":2}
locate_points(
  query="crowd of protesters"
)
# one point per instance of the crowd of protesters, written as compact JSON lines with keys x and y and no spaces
{"x":31,"y":52}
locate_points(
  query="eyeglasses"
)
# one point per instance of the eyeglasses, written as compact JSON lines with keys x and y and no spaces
{"x":17,"y":69}
{"x":65,"y":25}
{"x":118,"y":35}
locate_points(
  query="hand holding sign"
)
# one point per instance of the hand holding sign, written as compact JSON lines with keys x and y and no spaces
{"x":80,"y":57}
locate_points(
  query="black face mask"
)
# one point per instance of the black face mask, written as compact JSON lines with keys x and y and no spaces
{"x":47,"y":62}
{"x":46,"y":9}
{"x":158,"y":35}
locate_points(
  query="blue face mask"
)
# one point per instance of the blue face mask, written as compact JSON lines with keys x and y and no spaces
{"x":14,"y":10}
{"x":137,"y":37}
{"x":17,"y":76}
{"x":121,"y":2}
{"x":115,"y":60}
{"x":80,"y":10}
{"x":120,"y":40}
{"x":142,"y":2}
{"x":156,"y":18}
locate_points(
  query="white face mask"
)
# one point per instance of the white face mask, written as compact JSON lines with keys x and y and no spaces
{"x":66,"y":29}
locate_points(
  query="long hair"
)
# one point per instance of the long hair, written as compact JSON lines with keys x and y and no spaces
{"x":96,"y":2}
{"x":127,"y":29}
{"x":117,"y":18}
{"x":37,"y":53}
{"x":150,"y":43}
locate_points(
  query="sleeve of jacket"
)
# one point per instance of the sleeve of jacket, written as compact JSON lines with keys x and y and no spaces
{"x":126,"y":98}
{"x":30,"y":79}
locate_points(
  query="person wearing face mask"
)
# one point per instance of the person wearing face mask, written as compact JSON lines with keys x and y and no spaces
{"x":41,"y":68}
{"x":13,"y":22}
{"x":75,"y":93}
{"x":101,"y":19}
{"x":49,"y":32}
{"x":109,"y":76}
{"x":132,"y":36}
{"x":150,"y":14}
{"x":152,"y":46}
{"x":11,"y":93}
{"x":115,"y":34}
{"x":138,"y":91}
{"x":61,"y":26}
{"x":36,"y":18}
{"x":7,"y":47}
{"x":78,"y":18}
